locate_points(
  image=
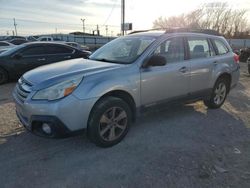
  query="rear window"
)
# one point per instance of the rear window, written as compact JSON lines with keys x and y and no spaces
{"x":221,"y":47}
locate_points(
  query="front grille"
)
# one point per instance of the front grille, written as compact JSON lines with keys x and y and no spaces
{"x":23,"y":89}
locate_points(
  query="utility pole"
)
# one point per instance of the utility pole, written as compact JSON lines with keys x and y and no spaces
{"x":106,"y":30}
{"x":15,"y":25}
{"x":122,"y":16}
{"x":83,"y":26}
{"x":97,"y":29}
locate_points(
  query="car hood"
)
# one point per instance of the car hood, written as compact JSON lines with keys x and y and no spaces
{"x":61,"y":70}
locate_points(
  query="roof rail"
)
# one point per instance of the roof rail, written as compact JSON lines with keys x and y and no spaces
{"x":146,"y":30}
{"x":190,"y":30}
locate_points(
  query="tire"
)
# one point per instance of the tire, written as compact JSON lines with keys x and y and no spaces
{"x":219,"y":94}
{"x":3,"y":76}
{"x":109,"y":121}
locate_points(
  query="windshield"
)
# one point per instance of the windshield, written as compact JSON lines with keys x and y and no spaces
{"x":123,"y":50}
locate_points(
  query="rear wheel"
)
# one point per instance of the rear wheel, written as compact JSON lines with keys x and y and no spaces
{"x":109,"y":121}
{"x":3,"y":76}
{"x":219,"y":94}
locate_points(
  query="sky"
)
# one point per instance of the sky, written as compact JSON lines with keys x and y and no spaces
{"x":64,"y":16}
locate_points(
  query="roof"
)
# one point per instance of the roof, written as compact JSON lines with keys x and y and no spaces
{"x":157,"y":32}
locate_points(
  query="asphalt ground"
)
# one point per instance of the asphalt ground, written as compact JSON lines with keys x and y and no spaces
{"x":178,"y":146}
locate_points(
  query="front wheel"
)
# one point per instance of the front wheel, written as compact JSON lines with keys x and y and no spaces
{"x":109,"y":121}
{"x":219,"y":94}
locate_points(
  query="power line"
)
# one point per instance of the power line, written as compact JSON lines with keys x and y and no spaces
{"x":55,"y":23}
{"x":111,"y":12}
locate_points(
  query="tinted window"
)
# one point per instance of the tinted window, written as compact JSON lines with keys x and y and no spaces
{"x":222,"y":49}
{"x":199,"y":48}
{"x":44,"y":39}
{"x":37,"y":50}
{"x":172,"y":49}
{"x":4,"y":44}
{"x":58,"y":50}
{"x":18,"y":41}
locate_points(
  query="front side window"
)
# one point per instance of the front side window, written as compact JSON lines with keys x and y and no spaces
{"x":4,"y":44}
{"x":123,"y":50}
{"x":172,"y":50}
{"x":36,"y":50}
{"x":222,"y":49}
{"x":199,"y":48}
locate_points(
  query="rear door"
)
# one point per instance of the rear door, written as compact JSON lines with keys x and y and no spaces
{"x":202,"y":60}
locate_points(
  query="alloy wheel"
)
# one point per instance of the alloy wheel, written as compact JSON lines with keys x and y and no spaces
{"x":113,"y":123}
{"x":220,"y":93}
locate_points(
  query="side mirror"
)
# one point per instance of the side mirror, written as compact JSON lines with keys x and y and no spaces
{"x":156,"y":60}
{"x":17,"y":56}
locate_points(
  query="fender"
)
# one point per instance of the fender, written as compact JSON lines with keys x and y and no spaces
{"x":95,"y":86}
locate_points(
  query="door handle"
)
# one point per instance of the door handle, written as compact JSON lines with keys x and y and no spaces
{"x":183,"y":69}
{"x":215,"y":62}
{"x":41,"y":59}
{"x":67,"y":57}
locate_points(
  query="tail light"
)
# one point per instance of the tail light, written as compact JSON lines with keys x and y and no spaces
{"x":236,"y":58}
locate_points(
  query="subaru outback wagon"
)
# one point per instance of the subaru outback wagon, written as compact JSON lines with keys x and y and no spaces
{"x":103,"y":94}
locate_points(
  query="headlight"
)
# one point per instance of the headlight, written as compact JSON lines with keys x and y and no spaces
{"x":59,"y":90}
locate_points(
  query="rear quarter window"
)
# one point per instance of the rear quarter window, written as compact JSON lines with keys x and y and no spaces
{"x":221,"y":47}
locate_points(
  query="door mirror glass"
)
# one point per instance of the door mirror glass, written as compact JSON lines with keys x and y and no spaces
{"x":156,"y":60}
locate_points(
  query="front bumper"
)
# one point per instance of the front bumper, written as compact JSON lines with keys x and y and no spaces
{"x":64,"y":116}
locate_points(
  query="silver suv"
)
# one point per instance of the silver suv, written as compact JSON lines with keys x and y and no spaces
{"x":105,"y":93}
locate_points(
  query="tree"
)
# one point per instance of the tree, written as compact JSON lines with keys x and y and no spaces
{"x":217,"y":16}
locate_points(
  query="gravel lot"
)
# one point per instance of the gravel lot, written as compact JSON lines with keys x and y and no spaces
{"x":180,"y":146}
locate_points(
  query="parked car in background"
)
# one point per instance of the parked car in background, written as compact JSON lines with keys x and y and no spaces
{"x":8,"y":38}
{"x":244,"y":54}
{"x":18,"y":41}
{"x":48,"y":39}
{"x":31,"y":38}
{"x":77,"y":45}
{"x":248,"y":65}
{"x":6,"y":45}
{"x":127,"y":75}
{"x":16,"y":61}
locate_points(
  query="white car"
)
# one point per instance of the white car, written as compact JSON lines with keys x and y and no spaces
{"x":44,"y":38}
{"x":6,"y":45}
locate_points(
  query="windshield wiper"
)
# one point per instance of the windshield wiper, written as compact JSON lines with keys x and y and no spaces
{"x":106,"y":60}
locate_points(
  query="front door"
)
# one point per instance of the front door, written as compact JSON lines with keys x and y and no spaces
{"x":160,"y":83}
{"x":29,"y":58}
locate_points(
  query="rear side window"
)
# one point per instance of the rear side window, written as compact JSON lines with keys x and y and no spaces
{"x":199,"y":48}
{"x":44,"y":39}
{"x":221,"y":47}
{"x":58,"y":50}
{"x":36,"y":50}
